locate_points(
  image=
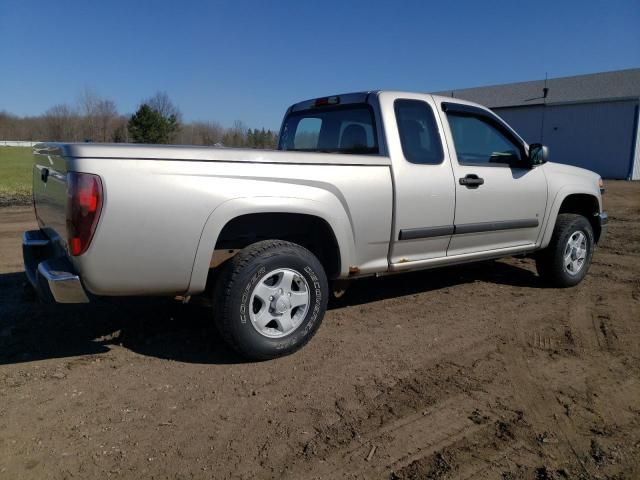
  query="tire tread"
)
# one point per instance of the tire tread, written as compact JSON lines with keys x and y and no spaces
{"x":228,"y":279}
{"x":547,"y":264}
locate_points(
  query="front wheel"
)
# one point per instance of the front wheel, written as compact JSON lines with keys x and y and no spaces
{"x":270,"y":299}
{"x":566,"y":260}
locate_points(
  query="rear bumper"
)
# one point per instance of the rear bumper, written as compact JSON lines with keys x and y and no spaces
{"x":603,"y":218}
{"x":50,"y":271}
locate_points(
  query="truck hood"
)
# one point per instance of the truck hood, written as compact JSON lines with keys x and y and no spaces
{"x":562,"y":169}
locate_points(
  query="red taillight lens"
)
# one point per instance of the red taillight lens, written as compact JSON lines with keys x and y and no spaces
{"x":84,"y":204}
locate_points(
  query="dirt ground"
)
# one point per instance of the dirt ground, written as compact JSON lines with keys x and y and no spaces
{"x":473,"y":372}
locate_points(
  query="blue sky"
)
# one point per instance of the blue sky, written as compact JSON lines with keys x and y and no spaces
{"x":249,"y":60}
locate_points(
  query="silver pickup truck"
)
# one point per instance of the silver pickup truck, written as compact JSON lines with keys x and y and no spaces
{"x":362,"y":184}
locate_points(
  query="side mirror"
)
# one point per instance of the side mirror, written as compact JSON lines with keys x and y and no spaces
{"x":538,"y":154}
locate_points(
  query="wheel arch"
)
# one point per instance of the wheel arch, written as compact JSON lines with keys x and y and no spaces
{"x":267,"y":215}
{"x":573,"y":200}
{"x":309,"y":231}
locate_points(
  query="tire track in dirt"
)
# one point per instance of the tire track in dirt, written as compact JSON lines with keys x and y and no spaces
{"x":556,"y":397}
{"x":442,"y":398}
{"x":400,"y":442}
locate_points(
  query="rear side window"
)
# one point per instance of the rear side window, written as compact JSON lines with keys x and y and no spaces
{"x":343,"y":129}
{"x":418,"y":132}
{"x":478,"y":142}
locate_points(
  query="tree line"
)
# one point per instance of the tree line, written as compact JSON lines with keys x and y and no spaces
{"x":157,"y":120}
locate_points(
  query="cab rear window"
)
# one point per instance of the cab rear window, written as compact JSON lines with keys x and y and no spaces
{"x":341,"y":129}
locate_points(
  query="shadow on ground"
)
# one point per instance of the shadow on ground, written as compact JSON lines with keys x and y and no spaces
{"x":30,"y":330}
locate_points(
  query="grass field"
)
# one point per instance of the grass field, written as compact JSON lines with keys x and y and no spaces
{"x":15,"y":175}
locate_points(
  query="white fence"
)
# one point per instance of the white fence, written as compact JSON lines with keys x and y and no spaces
{"x":16,"y":143}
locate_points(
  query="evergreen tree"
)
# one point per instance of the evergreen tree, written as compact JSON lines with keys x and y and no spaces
{"x":148,"y":125}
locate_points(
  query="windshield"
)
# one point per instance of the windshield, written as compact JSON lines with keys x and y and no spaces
{"x":343,"y":129}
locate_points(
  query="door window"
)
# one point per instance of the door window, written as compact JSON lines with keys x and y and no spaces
{"x":480,"y":143}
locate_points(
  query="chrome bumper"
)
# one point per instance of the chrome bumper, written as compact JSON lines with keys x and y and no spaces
{"x":50,"y":271}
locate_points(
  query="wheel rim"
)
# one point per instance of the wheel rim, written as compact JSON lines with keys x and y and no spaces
{"x":279,"y":302}
{"x":575,"y":253}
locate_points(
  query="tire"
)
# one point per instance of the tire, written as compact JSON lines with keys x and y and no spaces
{"x":559,"y":264}
{"x":259,"y":299}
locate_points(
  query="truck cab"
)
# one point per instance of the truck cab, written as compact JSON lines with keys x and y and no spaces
{"x":466,"y":185}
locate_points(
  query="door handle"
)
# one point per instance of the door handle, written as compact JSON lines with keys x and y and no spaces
{"x":471,"y":181}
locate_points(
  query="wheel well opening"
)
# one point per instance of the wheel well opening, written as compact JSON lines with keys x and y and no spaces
{"x":309,"y":231}
{"x":585,"y":205}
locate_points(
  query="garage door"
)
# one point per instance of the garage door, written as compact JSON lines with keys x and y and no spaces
{"x":597,"y":136}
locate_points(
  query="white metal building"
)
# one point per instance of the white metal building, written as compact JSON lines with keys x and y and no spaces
{"x":590,"y":121}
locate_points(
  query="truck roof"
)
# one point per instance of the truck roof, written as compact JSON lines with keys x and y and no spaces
{"x":361,"y":97}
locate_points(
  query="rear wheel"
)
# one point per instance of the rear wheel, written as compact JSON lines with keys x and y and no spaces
{"x":565,"y":262}
{"x":270,"y":299}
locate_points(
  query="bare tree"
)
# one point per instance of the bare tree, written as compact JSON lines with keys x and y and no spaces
{"x":201,"y":133}
{"x":8,"y":125}
{"x":87,"y":102}
{"x":99,"y":116}
{"x":120,"y":133}
{"x":105,"y":115}
{"x":60,"y":122}
{"x":236,"y":136}
{"x":162,"y":104}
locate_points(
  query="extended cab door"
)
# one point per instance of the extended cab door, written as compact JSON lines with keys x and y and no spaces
{"x":424,"y":190}
{"x":500,"y":200}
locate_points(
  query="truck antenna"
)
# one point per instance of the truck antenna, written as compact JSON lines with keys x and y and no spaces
{"x":545,"y":92}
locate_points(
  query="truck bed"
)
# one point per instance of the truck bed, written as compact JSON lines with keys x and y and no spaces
{"x":163,"y":207}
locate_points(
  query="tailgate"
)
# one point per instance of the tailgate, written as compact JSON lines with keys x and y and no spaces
{"x":50,"y":189}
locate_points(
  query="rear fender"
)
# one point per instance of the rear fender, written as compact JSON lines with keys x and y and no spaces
{"x":333,"y":213}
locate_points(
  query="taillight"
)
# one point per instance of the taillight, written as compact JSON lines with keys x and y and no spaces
{"x":325,"y":101}
{"x":84,"y":204}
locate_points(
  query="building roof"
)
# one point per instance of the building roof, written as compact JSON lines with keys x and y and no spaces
{"x":580,"y":88}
